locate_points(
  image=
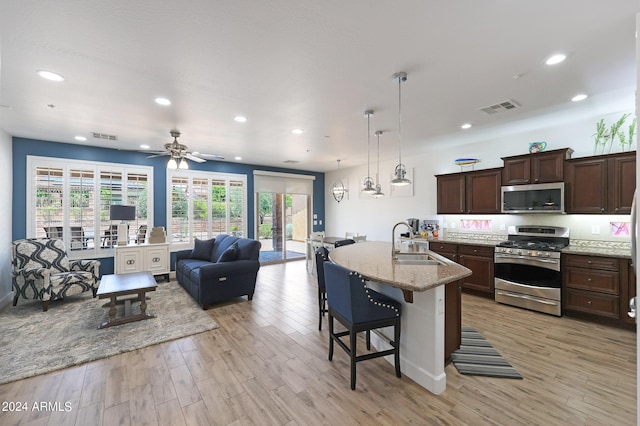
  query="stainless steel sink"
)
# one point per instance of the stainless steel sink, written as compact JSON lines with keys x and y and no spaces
{"x":414,"y":259}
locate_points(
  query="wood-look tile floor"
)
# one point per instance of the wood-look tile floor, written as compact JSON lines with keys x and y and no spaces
{"x":267,"y":365}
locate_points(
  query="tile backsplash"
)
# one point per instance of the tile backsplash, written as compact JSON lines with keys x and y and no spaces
{"x":613,"y":228}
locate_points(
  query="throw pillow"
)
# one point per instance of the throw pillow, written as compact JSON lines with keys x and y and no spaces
{"x":202,"y":249}
{"x":230,"y":254}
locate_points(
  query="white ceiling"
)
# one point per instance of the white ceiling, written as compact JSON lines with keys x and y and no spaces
{"x":314,"y":65}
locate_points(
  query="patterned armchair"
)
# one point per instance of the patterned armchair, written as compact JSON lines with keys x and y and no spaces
{"x":42,"y":271}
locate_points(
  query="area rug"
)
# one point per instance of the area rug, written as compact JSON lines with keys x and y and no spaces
{"x":477,"y":357}
{"x":34,"y":342}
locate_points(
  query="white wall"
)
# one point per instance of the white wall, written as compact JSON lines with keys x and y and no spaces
{"x":375,"y":217}
{"x":6,"y":173}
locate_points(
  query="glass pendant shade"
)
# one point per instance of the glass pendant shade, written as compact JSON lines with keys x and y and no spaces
{"x":183,"y":164}
{"x":400,"y":172}
{"x":369,"y":185}
{"x":172,"y":164}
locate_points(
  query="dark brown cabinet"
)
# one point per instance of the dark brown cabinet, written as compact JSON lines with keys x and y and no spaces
{"x":480,"y":260}
{"x":477,"y":258}
{"x":602,"y":184}
{"x":591,"y":285}
{"x":452,"y":318}
{"x":630,"y":292}
{"x":469,"y":192}
{"x":541,"y":167}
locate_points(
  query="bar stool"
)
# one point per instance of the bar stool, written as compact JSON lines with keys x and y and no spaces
{"x":359,"y":308}
{"x":322,"y":256}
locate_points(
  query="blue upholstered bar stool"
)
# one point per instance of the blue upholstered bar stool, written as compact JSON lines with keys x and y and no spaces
{"x":359,"y":308}
{"x":322,"y":255}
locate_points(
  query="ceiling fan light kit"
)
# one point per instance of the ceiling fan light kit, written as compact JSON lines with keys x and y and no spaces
{"x":400,"y":171}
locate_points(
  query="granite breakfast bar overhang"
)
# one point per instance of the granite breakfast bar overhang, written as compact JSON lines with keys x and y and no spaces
{"x":420,"y":289}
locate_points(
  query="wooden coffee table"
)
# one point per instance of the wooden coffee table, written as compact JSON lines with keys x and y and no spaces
{"x":116,"y":285}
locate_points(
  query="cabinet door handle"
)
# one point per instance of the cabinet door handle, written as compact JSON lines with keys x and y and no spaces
{"x":131,"y":262}
{"x":617,"y":209}
{"x":475,"y":251}
{"x":156,"y":259}
{"x":602,"y":209}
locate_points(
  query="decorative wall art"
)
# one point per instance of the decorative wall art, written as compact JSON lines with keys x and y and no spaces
{"x":475,"y":224}
{"x":620,"y":229}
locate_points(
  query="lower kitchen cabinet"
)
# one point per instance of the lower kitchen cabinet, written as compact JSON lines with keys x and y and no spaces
{"x":477,"y":258}
{"x":452,"y":318}
{"x":480,"y":260}
{"x":597,"y":288}
{"x":152,"y":258}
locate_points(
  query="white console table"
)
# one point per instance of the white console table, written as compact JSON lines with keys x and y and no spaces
{"x":152,"y":258}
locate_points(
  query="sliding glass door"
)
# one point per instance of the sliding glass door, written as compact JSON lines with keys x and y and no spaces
{"x":283,"y":225}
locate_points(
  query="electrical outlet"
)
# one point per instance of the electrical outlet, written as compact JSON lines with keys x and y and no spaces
{"x":320,"y":222}
{"x":315,"y":222}
{"x":453,"y":225}
{"x":595,"y":229}
{"x":503,"y":227}
{"x":315,"y":215}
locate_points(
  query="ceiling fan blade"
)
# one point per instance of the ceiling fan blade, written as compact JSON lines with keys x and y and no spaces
{"x":194,"y":158}
{"x":157,"y":155}
{"x":211,"y":156}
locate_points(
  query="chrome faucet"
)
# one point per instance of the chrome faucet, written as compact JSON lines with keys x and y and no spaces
{"x":394,"y":252}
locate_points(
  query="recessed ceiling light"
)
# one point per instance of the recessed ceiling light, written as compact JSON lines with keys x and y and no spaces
{"x":237,"y":158}
{"x":556,"y":59}
{"x":162,"y":101}
{"x":80,"y":138}
{"x":49,"y":75}
{"x":297,"y":131}
{"x":145,"y":146}
{"x":579,"y":97}
{"x":466,"y":126}
{"x":240,"y":119}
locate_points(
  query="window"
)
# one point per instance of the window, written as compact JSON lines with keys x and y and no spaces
{"x":70,"y":199}
{"x":204,"y":204}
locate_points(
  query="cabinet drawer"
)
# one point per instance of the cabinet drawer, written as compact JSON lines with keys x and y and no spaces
{"x":476,"y":250}
{"x":439,"y":247}
{"x":591,"y":302}
{"x":593,"y":279}
{"x":592,"y":262}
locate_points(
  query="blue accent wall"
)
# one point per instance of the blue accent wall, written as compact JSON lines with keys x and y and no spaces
{"x":23,"y":147}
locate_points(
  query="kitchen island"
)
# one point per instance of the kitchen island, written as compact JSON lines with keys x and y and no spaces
{"x":420,"y":289}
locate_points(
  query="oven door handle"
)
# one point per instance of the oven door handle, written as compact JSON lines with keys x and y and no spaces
{"x":532,"y":258}
{"x":522,"y":296}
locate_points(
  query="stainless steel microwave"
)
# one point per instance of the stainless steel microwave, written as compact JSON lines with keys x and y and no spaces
{"x":538,"y":198}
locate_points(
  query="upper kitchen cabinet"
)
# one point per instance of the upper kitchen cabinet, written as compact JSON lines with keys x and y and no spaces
{"x":541,"y":167}
{"x":602,"y":184}
{"x":469,"y":192}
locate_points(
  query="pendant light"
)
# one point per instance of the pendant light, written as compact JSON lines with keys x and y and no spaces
{"x":400,"y":172}
{"x":368,"y":187}
{"x":337,"y":188}
{"x":183,"y":164}
{"x":378,"y":193}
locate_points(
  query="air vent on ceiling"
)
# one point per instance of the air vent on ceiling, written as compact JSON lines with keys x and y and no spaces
{"x":104,"y":136}
{"x":290,"y":161}
{"x":500,"y":107}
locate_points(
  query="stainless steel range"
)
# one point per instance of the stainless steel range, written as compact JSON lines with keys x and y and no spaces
{"x":527,"y":268}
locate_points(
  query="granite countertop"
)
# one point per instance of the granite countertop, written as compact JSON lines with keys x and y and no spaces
{"x":579,"y":247}
{"x":372,"y":259}
{"x":598,"y":251}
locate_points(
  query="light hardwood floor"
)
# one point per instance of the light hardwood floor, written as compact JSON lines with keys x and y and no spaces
{"x":267,"y":365}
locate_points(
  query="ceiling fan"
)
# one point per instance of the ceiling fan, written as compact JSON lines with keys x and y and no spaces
{"x":180,"y":152}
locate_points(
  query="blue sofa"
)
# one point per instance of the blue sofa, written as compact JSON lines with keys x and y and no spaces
{"x":219,"y":269}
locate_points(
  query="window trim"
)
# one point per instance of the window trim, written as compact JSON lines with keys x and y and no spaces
{"x":210,"y":176}
{"x":66,"y":165}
